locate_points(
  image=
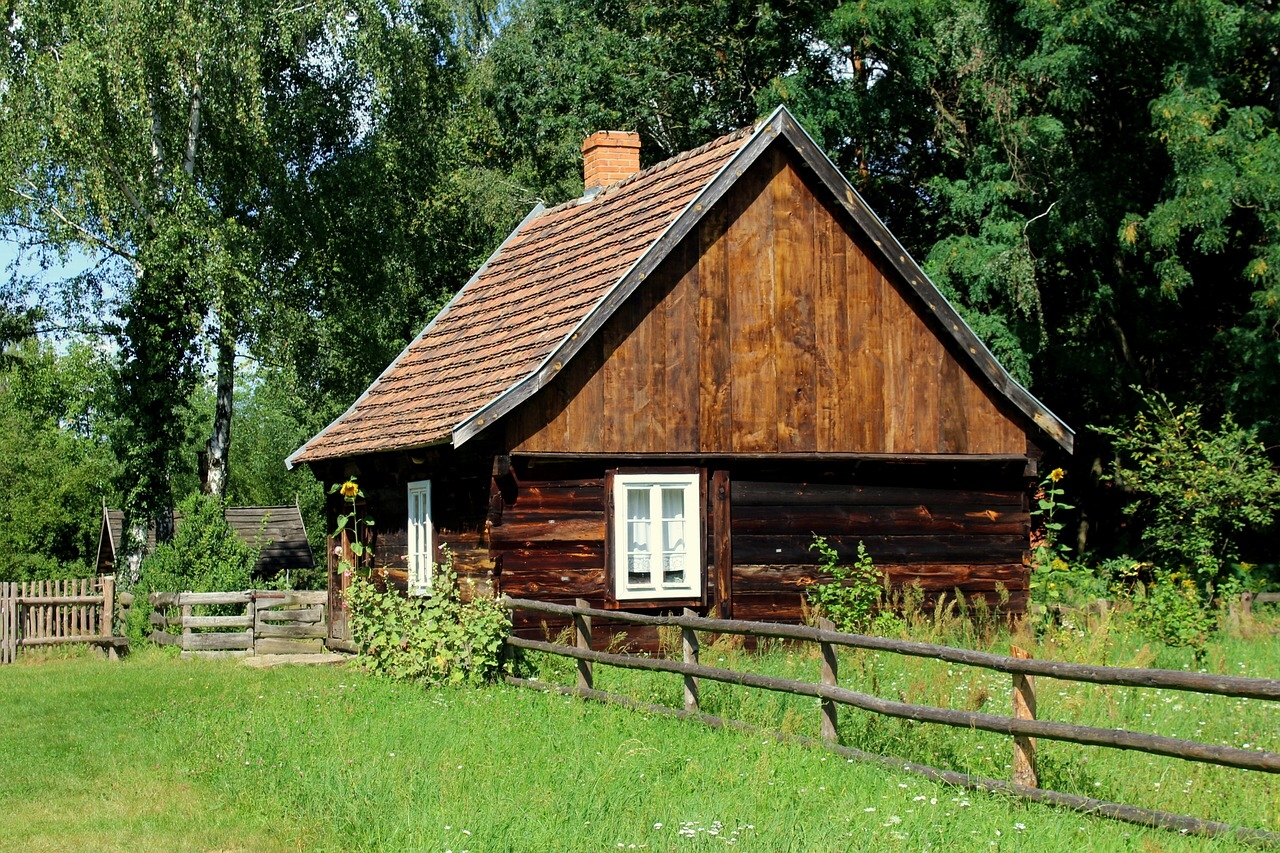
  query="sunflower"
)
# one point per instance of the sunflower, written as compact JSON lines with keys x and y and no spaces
{"x":349,"y":489}
{"x":1056,"y":474}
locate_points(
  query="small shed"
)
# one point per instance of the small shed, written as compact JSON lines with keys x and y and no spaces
{"x":278,"y":529}
{"x":653,"y":397}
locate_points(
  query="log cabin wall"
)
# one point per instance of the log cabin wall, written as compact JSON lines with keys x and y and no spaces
{"x":460,"y":482}
{"x":770,"y":328}
{"x":951,"y":526}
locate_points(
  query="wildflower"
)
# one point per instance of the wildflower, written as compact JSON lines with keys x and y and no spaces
{"x":349,"y":489}
{"x":1057,"y":474}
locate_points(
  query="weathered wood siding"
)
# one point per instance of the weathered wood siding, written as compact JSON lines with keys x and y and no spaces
{"x":770,"y":328}
{"x":947,"y":527}
{"x":459,"y":501}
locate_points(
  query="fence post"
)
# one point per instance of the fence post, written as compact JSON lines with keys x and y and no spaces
{"x":251,"y":610}
{"x":830,"y":672}
{"x":186,"y":623}
{"x":4,"y":622}
{"x":582,"y":634}
{"x":690,"y":656}
{"x":1024,"y":708}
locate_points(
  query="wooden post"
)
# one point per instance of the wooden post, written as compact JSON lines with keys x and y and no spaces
{"x":186,"y":623}
{"x":582,"y":635}
{"x":107,"y":626}
{"x":4,"y":622}
{"x":251,"y":610}
{"x":690,"y":656}
{"x":830,"y":673}
{"x":1024,"y":708}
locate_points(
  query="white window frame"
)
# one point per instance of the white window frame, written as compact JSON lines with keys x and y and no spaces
{"x":421,"y":535}
{"x":657,"y":588}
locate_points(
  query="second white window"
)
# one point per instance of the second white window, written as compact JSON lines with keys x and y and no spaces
{"x":657,"y":535}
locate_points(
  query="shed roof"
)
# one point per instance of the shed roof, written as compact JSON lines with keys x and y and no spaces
{"x":558,"y":277}
{"x":280,"y":528}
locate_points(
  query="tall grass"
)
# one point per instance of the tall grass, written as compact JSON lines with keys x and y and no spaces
{"x":164,"y":754}
{"x":1237,"y":796}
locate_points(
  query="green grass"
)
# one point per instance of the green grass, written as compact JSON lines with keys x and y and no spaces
{"x":163,"y":754}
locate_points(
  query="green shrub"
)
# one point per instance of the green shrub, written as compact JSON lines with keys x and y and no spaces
{"x":1172,"y":609}
{"x":205,"y":555}
{"x":435,"y":639}
{"x":1197,"y":489}
{"x":852,"y":596}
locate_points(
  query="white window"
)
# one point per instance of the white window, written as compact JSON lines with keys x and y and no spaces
{"x":421,"y":537}
{"x":657,"y":536}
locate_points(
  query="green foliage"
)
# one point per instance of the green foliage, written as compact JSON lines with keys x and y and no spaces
{"x":1172,"y":608}
{"x":1197,"y":488}
{"x":435,"y":639}
{"x":348,"y":527}
{"x":58,"y":465}
{"x":850,"y":599}
{"x":205,"y":555}
{"x":1052,"y":574}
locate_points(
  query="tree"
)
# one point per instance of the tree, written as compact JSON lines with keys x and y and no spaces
{"x":55,"y":425}
{"x":183,"y":143}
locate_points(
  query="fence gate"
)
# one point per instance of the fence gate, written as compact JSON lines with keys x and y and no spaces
{"x":46,"y":613}
{"x":270,"y":621}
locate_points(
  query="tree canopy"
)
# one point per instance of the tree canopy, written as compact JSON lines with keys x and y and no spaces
{"x":300,"y":187}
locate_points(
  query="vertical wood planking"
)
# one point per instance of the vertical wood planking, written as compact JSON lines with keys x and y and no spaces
{"x":714,"y":384}
{"x":831,"y":329}
{"x":650,"y":359}
{"x":863,"y":403}
{"x":793,"y":297}
{"x":680,"y":312}
{"x":722,"y":539}
{"x":585,"y":426}
{"x":619,"y":379}
{"x":752,"y":313}
{"x":924,"y":367}
{"x":953,"y":415}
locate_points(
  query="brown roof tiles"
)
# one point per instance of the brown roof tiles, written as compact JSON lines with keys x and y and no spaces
{"x":540,"y":284}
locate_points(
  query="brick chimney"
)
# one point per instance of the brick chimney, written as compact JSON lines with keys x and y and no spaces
{"x":609,"y":156}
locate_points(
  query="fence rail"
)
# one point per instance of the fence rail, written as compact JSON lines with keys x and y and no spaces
{"x":1022,"y":725}
{"x":273,"y":621}
{"x":53,"y":612}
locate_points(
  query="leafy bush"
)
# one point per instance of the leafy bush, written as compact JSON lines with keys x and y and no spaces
{"x":205,"y":555}
{"x":1198,"y":488}
{"x":850,"y":599}
{"x":436,"y":639}
{"x":1172,"y":609}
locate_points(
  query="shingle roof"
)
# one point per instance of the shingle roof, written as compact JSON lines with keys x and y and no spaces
{"x":552,"y":270}
{"x":555,"y":280}
{"x":278,"y":529}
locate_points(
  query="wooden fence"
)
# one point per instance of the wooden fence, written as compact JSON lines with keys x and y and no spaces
{"x":1022,"y":726}
{"x":272,"y":622}
{"x":45,"y":613}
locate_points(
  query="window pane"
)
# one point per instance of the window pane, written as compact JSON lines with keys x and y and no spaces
{"x":673,"y":543}
{"x":638,"y":514}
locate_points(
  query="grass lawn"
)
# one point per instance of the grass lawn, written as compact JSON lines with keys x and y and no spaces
{"x":157,"y":753}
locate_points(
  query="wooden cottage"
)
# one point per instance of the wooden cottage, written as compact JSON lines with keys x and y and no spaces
{"x":654,"y":396}
{"x":279,"y":531}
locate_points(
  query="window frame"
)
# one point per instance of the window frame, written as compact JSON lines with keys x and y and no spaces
{"x":419,"y":576}
{"x":694,"y":481}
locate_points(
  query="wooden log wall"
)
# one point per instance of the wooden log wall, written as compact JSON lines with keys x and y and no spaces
{"x":968,"y":531}
{"x":459,"y":502}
